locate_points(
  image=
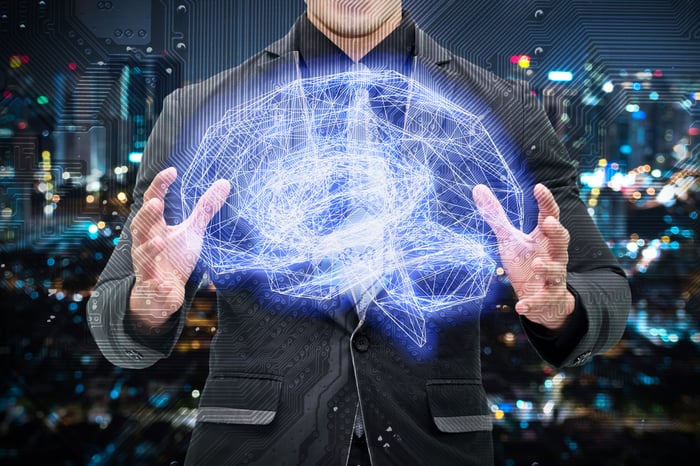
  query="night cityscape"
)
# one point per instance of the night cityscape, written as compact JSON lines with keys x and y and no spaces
{"x":80,"y":95}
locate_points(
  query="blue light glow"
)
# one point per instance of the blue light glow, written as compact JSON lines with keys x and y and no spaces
{"x":159,"y":400}
{"x":602,"y":402}
{"x":360,"y":184}
{"x":135,"y":157}
{"x":560,"y":76}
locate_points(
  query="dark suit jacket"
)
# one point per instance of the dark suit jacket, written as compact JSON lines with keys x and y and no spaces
{"x":287,"y":375}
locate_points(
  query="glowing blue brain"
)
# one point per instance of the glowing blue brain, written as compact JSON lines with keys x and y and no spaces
{"x":355,"y":183}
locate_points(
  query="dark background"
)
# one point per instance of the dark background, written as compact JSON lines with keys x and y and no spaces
{"x":82,"y":83}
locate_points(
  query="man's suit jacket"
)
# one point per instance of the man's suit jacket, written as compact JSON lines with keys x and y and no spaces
{"x":287,"y":375}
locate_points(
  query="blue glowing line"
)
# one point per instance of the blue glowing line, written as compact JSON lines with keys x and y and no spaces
{"x":560,"y":76}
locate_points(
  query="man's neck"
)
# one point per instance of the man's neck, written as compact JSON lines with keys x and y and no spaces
{"x":356,"y":47}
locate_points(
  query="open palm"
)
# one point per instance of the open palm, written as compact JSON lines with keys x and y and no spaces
{"x":535,"y":262}
{"x":164,"y":255}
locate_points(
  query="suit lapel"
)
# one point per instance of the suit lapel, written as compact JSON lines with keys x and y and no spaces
{"x":430,"y":52}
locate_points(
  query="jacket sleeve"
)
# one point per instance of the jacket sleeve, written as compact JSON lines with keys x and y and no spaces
{"x":108,"y":308}
{"x":594,"y":276}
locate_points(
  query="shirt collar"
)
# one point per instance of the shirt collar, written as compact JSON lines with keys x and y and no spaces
{"x":320,"y":56}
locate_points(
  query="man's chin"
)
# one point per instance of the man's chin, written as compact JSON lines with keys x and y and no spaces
{"x":356,"y":24}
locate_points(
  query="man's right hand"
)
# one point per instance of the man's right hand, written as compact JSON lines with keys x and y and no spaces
{"x":164,"y":256}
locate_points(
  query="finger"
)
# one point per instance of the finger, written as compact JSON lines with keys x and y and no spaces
{"x":160,"y":184}
{"x":147,"y":219}
{"x":544,"y":309}
{"x":148,"y":258}
{"x":208,"y":205}
{"x":558,"y":237}
{"x":550,"y":273}
{"x":546,"y":203}
{"x":492,"y":211}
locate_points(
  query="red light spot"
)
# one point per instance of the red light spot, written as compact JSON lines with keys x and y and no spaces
{"x":515,"y":59}
{"x":72,"y":66}
{"x":7,"y":94}
{"x":658,"y":73}
{"x":694,"y":131}
{"x":24,"y":59}
{"x":533,"y":92}
{"x":22,"y":125}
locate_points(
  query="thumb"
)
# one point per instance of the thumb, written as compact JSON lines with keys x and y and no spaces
{"x":208,"y":205}
{"x":492,"y":211}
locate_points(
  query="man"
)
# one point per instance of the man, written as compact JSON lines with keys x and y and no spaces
{"x":297,"y":381}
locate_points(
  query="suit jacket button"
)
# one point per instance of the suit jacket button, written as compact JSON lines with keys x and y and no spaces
{"x":361,"y":343}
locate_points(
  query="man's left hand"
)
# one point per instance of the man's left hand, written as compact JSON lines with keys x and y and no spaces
{"x":536,"y":262}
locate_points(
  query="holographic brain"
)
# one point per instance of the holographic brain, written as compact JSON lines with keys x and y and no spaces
{"x":355,"y":183}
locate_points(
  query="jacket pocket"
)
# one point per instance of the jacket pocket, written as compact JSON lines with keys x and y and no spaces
{"x":458,"y":405}
{"x":240,"y":399}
